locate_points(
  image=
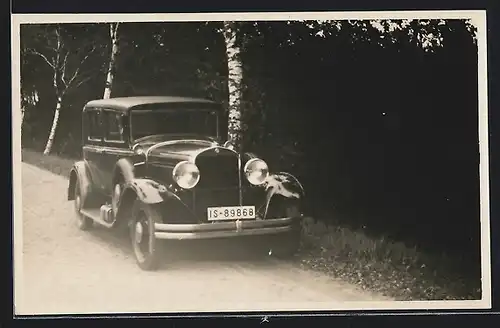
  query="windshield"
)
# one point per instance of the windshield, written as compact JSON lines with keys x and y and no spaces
{"x":157,"y":122}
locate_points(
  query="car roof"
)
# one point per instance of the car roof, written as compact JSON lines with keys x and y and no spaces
{"x":127,"y":103}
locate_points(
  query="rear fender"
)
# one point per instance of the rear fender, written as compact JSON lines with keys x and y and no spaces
{"x":79,"y":172}
{"x":286,"y":186}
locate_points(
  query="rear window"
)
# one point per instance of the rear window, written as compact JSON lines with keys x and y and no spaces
{"x":94,"y":125}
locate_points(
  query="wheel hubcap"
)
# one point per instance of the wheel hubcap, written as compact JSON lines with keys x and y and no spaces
{"x":79,"y":215}
{"x":139,"y":231}
{"x":117,"y":191}
{"x":77,"y":204}
{"x":115,"y":199}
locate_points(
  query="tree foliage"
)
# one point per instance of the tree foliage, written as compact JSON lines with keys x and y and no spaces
{"x":66,"y":56}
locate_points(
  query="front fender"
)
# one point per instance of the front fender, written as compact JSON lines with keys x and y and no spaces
{"x":124,"y":169}
{"x":148,"y":191}
{"x":79,"y":172}
{"x":285,"y":185}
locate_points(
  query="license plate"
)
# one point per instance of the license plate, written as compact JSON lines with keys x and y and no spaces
{"x":231,"y":213}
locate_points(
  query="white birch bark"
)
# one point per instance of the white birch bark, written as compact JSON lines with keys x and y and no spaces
{"x":55,"y":123}
{"x":113,"y":28}
{"x":23,"y":102}
{"x":22,"y":118}
{"x":235,"y":77}
{"x":55,"y":120}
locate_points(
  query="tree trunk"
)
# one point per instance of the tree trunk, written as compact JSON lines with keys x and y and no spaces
{"x":112,"y":61}
{"x":235,"y":76}
{"x":55,"y":122}
{"x":22,"y":116}
{"x":24,"y":104}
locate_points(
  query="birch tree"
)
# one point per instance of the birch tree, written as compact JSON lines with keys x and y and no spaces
{"x":113,"y":29}
{"x":235,"y":77}
{"x":66,"y":67}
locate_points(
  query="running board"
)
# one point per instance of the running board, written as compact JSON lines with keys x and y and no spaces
{"x":94,"y":214}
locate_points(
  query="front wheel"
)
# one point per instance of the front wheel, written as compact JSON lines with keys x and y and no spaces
{"x":289,"y":246}
{"x":147,"y":249}
{"x":287,"y":250}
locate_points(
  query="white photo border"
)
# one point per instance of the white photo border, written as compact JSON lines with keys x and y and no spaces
{"x":476,"y":17}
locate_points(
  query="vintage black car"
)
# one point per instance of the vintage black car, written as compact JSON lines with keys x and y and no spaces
{"x":159,"y":167}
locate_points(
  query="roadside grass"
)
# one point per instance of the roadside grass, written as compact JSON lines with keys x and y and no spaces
{"x":382,"y":265}
{"x":373,"y":263}
{"x":55,"y":164}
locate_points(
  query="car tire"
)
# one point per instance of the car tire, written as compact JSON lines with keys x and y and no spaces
{"x":290,"y":244}
{"x":147,"y":249}
{"x":115,"y":198}
{"x":287,"y":250}
{"x":83,"y":222}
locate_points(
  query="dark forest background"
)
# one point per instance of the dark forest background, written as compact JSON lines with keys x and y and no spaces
{"x":380,"y":124}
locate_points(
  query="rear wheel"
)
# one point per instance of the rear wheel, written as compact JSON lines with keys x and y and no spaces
{"x":147,"y":249}
{"x":83,"y":222}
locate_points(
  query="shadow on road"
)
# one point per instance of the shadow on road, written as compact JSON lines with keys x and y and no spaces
{"x":188,"y":252}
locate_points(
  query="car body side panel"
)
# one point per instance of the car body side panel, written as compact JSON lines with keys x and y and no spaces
{"x":93,"y":157}
{"x":109,"y":158}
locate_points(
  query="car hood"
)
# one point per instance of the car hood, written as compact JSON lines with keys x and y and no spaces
{"x":179,"y":147}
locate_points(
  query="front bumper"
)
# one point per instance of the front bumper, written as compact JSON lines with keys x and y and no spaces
{"x":224,"y":229}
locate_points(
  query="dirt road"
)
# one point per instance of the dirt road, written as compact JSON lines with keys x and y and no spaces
{"x":65,"y":270}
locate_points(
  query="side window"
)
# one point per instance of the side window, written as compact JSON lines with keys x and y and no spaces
{"x":94,"y":125}
{"x":114,"y":127}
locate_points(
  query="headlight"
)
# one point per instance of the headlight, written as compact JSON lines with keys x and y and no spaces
{"x":256,"y":171}
{"x":186,"y":174}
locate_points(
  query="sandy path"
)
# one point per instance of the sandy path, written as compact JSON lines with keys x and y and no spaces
{"x":70,"y":271}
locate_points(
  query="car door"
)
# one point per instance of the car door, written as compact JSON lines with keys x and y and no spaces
{"x":92,"y":145}
{"x":115,"y":144}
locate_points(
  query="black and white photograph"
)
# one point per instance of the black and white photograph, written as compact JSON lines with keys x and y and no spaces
{"x":250,"y":162}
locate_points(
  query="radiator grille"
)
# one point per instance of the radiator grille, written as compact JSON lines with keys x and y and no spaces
{"x":218,"y":170}
{"x":219,"y":181}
